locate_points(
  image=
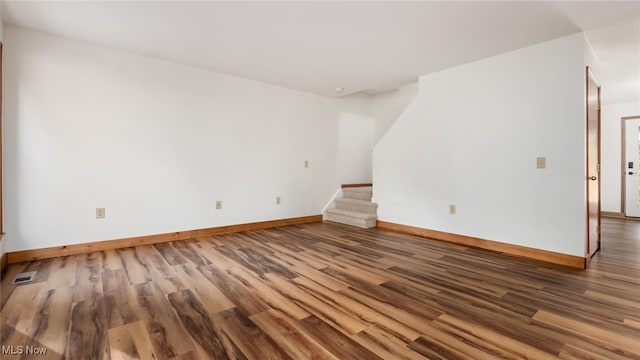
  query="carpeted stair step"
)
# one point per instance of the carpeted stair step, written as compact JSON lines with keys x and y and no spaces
{"x":359,"y":219}
{"x":362,"y":206}
{"x":358,"y":193}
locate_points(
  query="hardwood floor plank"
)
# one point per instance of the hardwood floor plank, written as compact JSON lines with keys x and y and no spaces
{"x":7,"y":287}
{"x":252,"y":341}
{"x":111,"y":260}
{"x":324,"y":310}
{"x":355,"y":272}
{"x":120,"y":300}
{"x":269,"y":296}
{"x":335,"y":341}
{"x":207,"y":293}
{"x":635,"y":323}
{"x":88,"y":282}
{"x":20,"y":309}
{"x":627,"y":345}
{"x":244,"y":260}
{"x":212,"y":255}
{"x":609,"y":300}
{"x":50,"y":324}
{"x":165,"y":329}
{"x":64,"y":269}
{"x":441,"y":348}
{"x":160,"y":273}
{"x":307,"y":271}
{"x":188,"y":252}
{"x":406,"y":312}
{"x":298,"y":256}
{"x":516,"y":326}
{"x":266,"y":261}
{"x":489,"y":341}
{"x":579,"y":349}
{"x":200,"y":326}
{"x":386,"y":345}
{"x":170,"y":254}
{"x":130,"y":341}
{"x":327,"y":291}
{"x":88,"y":332}
{"x":359,"y":310}
{"x":135,"y":268}
{"x":594,"y":313}
{"x":293,"y":341}
{"x":234,"y":290}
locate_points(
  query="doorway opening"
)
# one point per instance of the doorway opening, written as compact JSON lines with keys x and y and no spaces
{"x":630,"y":166}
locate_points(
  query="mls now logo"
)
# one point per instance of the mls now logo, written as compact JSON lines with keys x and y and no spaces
{"x":23,"y":350}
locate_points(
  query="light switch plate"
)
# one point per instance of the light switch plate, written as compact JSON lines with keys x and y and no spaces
{"x":541,"y":163}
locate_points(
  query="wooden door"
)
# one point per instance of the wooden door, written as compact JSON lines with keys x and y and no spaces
{"x":593,"y":164}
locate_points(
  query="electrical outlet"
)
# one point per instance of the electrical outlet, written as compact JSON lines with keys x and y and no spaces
{"x":277,"y":200}
{"x":218,"y":204}
{"x":541,"y":162}
{"x":452,"y":209}
{"x":306,"y":163}
{"x":100,"y":213}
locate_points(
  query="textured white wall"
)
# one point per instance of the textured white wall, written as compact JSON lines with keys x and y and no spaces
{"x":611,"y":151}
{"x":387,"y":107}
{"x":155,"y":143}
{"x":471,"y":138}
{"x":1,"y":23}
{"x":355,"y":145}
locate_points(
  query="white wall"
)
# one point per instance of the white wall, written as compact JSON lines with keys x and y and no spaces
{"x":387,"y":107}
{"x":355,"y":144}
{"x":156,"y":144}
{"x":471,"y":138}
{"x":611,"y":152}
{"x":355,"y":141}
{"x":1,"y":23}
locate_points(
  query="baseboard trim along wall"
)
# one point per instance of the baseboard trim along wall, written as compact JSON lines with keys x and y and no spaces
{"x":75,"y":249}
{"x":509,"y":249}
{"x":4,"y":260}
{"x":344,"y":186}
{"x":612,"y":214}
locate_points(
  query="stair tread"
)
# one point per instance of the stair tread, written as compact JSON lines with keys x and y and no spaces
{"x":358,"y":189}
{"x":355,"y":214}
{"x":356,"y":201}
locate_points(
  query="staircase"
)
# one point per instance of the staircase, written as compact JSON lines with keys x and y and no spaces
{"x":354,"y":208}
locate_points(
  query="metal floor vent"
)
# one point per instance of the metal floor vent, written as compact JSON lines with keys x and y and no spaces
{"x":24,"y":277}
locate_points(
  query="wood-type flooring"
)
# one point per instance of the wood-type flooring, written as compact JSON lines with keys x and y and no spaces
{"x":325,"y":291}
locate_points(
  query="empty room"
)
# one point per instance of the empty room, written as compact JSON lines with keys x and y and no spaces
{"x":320,"y":180}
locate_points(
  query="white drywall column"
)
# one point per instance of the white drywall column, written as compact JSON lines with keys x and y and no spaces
{"x":471,"y":138}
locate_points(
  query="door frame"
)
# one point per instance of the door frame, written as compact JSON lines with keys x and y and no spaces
{"x":590,"y":76}
{"x":623,"y":161}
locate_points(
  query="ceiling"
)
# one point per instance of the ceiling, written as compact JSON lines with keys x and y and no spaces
{"x":359,"y":46}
